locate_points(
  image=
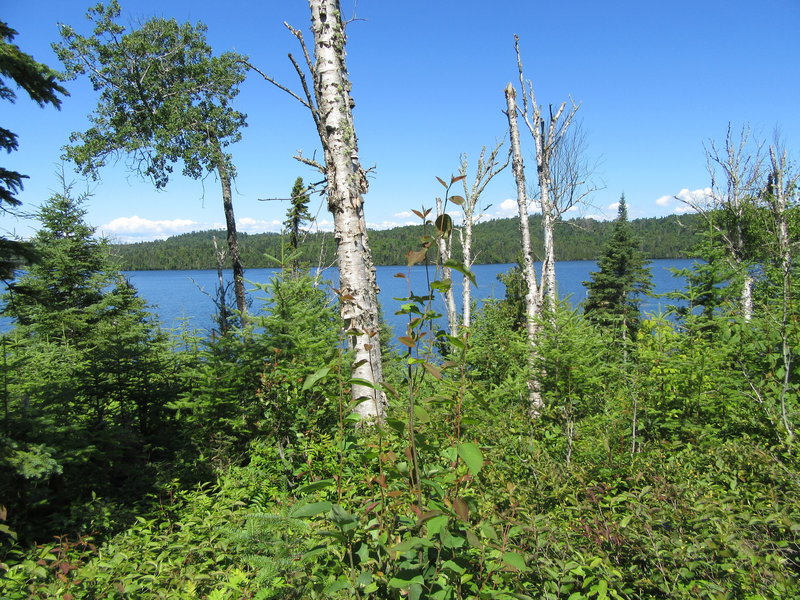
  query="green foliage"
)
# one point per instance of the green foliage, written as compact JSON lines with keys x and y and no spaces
{"x":157,"y":111}
{"x":612,"y":294}
{"x":85,"y":375}
{"x":297,"y":214}
{"x":40,"y":83}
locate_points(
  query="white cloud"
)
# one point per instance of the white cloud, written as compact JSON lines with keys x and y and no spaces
{"x":507,"y":208}
{"x":613,"y":206}
{"x":664,"y":200}
{"x":696,"y":197}
{"x":250,"y":225}
{"x":683,"y":201}
{"x":136,"y":229}
{"x":403,"y":215}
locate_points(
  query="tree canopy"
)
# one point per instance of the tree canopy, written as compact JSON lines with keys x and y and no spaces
{"x":40,"y":83}
{"x":614,"y":290}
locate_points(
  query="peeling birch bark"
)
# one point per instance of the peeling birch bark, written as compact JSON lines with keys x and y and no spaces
{"x":532,"y":297}
{"x":346,"y":184}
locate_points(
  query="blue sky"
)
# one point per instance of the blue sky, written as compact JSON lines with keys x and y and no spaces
{"x":654,"y":80}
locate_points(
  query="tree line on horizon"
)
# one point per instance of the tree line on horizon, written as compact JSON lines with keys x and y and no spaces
{"x":496,"y":242}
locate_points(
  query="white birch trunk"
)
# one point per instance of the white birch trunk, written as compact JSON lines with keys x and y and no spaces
{"x":466,"y":246}
{"x":532,"y":305}
{"x":346,"y":183}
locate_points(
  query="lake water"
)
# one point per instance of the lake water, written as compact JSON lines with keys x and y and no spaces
{"x":178,"y":297}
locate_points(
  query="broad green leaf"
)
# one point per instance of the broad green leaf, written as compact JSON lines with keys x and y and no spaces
{"x":471,"y":455}
{"x":315,"y":377}
{"x":317,"y":485}
{"x":514,"y":560}
{"x":309,"y":510}
{"x":461,"y":268}
{"x":444,"y":224}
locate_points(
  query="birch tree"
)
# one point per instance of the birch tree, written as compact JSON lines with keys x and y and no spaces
{"x":164,"y":99}
{"x":555,"y":194}
{"x":781,"y":196}
{"x":330,"y":103}
{"x":736,"y":176}
{"x":487,"y":167}
{"x":533,"y":300}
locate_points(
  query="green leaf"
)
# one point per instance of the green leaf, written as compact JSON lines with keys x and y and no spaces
{"x":461,"y":268}
{"x":309,"y":510}
{"x":444,"y":224}
{"x":315,"y":377}
{"x":340,"y":516}
{"x":316,"y":485}
{"x":515,"y":561}
{"x":471,"y":455}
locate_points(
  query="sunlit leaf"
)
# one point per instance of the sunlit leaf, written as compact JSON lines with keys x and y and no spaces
{"x":471,"y":455}
{"x":458,"y":200}
{"x":315,"y":377}
{"x":440,"y":180}
{"x":309,"y":510}
{"x":459,"y":266}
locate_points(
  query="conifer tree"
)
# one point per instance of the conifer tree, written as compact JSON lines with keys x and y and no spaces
{"x":297,"y":213}
{"x":613,"y":292}
{"x":39,"y":82}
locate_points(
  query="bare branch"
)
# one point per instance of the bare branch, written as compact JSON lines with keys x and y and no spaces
{"x":277,"y":85}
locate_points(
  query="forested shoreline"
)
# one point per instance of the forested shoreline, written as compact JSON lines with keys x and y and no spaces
{"x":495,"y":242}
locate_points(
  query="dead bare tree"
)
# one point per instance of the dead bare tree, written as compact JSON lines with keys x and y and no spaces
{"x":330,"y":103}
{"x":781,"y":192}
{"x":736,"y":183}
{"x":533,"y":300}
{"x":554,"y":193}
{"x":487,"y":167}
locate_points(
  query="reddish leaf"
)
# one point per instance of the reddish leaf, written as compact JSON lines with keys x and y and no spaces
{"x":455,"y":179}
{"x":459,"y":200}
{"x":407,"y":341}
{"x":461,"y":508}
{"x":432,"y":370}
{"x":415,"y":256}
{"x":419,"y":214}
{"x":440,"y":180}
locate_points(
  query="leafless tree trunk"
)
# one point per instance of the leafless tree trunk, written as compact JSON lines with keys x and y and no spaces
{"x":533,"y":306}
{"x":444,"y":241}
{"x":781,"y":184}
{"x":347,"y":182}
{"x":485,"y":170}
{"x":547,"y":137}
{"x":734,"y":197}
{"x":330,"y":103}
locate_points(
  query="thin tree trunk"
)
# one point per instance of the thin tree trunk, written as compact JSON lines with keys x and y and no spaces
{"x":549,"y":264}
{"x":779,"y":202}
{"x":532,"y":304}
{"x":466,"y":246}
{"x":232,"y":239}
{"x":346,"y":183}
{"x":445,"y":245}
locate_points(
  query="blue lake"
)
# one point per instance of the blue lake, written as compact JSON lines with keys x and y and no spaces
{"x":181,"y":298}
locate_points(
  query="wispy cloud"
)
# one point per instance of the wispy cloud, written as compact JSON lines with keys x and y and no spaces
{"x":250,"y":225}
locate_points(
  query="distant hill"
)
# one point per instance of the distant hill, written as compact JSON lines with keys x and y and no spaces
{"x":495,"y":241}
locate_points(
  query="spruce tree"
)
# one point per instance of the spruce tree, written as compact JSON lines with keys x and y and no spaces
{"x":614,"y":290}
{"x":41,"y":85}
{"x":297,"y":214}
